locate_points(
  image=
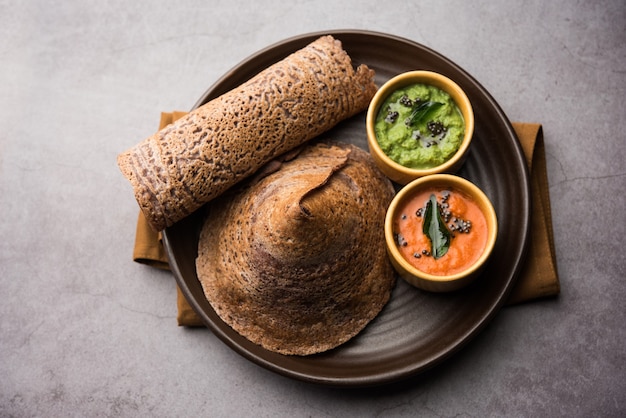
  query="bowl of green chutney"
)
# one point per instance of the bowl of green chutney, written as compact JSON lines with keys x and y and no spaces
{"x":419,"y":123}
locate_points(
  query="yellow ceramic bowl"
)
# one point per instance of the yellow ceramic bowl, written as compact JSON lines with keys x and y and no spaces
{"x":416,"y":277}
{"x":395,"y":171}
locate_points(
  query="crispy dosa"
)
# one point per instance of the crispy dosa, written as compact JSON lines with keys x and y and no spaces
{"x":295,"y":261}
{"x":190,"y":162}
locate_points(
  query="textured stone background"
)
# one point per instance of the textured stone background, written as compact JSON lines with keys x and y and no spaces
{"x":86,"y":332}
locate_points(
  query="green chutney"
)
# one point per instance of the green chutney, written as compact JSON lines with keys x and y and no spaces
{"x":419,"y":126}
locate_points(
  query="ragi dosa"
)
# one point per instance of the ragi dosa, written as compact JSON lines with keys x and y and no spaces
{"x":190,"y":162}
{"x":295,"y":261}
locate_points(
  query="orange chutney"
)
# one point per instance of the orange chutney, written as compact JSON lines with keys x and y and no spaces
{"x":467,"y":243}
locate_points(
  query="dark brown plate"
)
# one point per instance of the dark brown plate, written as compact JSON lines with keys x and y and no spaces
{"x":416,"y":330}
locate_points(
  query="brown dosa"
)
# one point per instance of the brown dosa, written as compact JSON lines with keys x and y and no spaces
{"x":198,"y":157}
{"x":295,"y":261}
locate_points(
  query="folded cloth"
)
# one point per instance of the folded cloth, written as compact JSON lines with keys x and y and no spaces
{"x":149,"y":248}
{"x":538,"y":278}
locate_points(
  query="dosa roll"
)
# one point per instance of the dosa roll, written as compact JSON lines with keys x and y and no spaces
{"x":198,"y":157}
{"x":295,"y":261}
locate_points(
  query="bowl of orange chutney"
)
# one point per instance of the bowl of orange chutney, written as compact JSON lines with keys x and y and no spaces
{"x":440,"y":231}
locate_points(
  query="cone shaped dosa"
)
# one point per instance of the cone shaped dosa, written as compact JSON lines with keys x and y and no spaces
{"x":295,"y":261}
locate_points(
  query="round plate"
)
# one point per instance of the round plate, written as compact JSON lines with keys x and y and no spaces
{"x":416,"y":330}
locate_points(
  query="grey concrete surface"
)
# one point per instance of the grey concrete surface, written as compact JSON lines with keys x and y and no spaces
{"x":86,"y":332}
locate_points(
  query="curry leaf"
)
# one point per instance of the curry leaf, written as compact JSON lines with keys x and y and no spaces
{"x":435,"y":229}
{"x":422,"y":111}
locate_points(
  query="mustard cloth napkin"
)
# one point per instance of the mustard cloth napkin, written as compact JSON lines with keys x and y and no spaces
{"x":538,"y":278}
